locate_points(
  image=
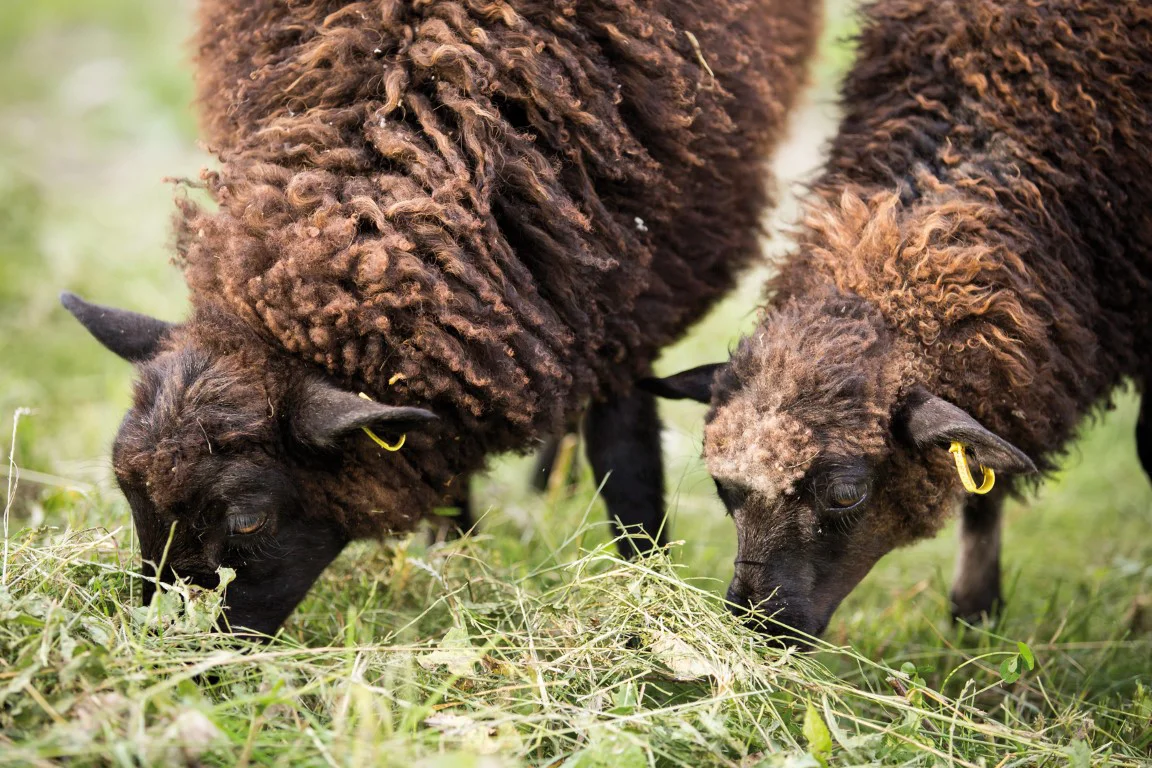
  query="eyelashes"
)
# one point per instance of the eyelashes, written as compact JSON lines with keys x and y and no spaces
{"x":845,"y":495}
{"x":246,"y":523}
{"x":841,"y":490}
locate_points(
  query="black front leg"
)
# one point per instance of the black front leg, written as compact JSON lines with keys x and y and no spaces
{"x":622,"y":434}
{"x":976,"y":584}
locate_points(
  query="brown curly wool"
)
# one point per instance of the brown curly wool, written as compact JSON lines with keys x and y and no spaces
{"x":988,"y":192}
{"x":979,"y":247}
{"x":494,"y":210}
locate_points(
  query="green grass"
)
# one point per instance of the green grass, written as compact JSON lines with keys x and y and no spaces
{"x":529,"y":643}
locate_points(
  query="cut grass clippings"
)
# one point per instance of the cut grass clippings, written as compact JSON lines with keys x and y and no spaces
{"x":580,"y":660}
{"x":529,"y":644}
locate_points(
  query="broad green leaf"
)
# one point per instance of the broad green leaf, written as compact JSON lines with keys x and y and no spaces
{"x":1026,"y":655}
{"x":1010,"y":669}
{"x":816,"y":732}
{"x":834,"y":728}
{"x":625,"y":700}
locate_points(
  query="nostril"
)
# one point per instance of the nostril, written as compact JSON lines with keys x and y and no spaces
{"x":771,"y":616}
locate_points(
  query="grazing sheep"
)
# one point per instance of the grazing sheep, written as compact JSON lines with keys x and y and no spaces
{"x":481,"y":214}
{"x":974,"y":267}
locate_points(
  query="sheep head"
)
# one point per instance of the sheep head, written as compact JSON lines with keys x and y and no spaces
{"x":827,"y":455}
{"x":225,"y":465}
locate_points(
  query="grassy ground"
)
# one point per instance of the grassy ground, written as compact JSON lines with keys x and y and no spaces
{"x":530,"y":643}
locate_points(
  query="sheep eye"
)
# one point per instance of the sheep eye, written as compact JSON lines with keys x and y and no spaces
{"x":245,"y":523}
{"x":846,"y":495}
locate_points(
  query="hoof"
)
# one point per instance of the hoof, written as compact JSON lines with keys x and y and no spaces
{"x":976,"y":609}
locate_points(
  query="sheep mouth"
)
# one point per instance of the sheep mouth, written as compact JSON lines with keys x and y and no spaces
{"x":168,"y":575}
{"x":782,"y":619}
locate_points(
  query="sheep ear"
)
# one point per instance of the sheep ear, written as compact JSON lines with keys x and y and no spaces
{"x":692,"y":384}
{"x":930,"y":421}
{"x":132,"y":336}
{"x":322,"y":414}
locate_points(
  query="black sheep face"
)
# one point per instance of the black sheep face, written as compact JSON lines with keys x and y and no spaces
{"x":216,"y":466}
{"x":824,"y":462}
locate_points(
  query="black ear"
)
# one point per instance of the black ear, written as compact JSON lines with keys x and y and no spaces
{"x":322,"y":414}
{"x":692,"y":384}
{"x":132,"y":336}
{"x":929,"y":421}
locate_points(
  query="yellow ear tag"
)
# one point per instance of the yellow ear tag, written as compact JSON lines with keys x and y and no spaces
{"x":376,"y":439}
{"x":962,"y":469}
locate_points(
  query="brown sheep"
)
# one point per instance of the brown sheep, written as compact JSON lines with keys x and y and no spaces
{"x":974,"y":267}
{"x":483,"y":214}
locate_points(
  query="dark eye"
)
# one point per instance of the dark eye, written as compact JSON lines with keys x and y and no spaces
{"x":245,"y":523}
{"x":843,"y":495}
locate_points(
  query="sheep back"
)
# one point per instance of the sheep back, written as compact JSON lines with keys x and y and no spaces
{"x":991,"y":182}
{"x":495,"y":209}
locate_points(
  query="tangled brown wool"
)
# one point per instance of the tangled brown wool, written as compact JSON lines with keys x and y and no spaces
{"x":982,"y":236}
{"x":988,"y":193}
{"x":494,"y":210}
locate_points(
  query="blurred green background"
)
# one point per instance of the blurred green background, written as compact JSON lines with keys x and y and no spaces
{"x":94,"y":114}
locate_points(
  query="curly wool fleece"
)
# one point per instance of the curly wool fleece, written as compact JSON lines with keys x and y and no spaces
{"x":986,"y":198}
{"x":781,"y":401}
{"x":494,"y":210}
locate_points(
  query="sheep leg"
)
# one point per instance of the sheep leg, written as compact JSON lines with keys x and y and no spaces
{"x":976,"y":584}
{"x":448,"y":528}
{"x":622,"y":440}
{"x":545,"y":463}
{"x":1144,"y":433}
